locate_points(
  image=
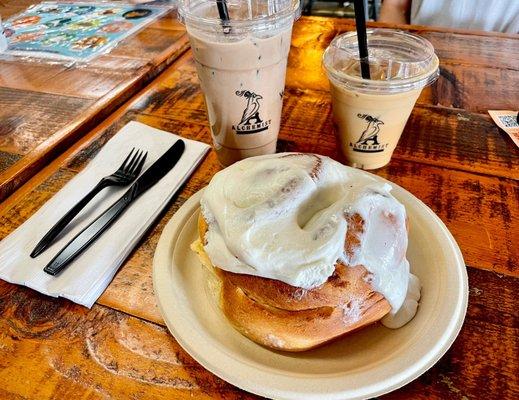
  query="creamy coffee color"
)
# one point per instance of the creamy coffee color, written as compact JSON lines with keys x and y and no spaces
{"x":370,"y":114}
{"x":243,"y":84}
{"x":368,"y":126}
{"x":242,"y":74}
{"x":281,"y":216}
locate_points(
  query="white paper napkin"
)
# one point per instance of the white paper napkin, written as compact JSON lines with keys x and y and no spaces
{"x":87,"y":276}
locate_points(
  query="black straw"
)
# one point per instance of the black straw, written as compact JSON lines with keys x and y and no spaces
{"x":360,"y":22}
{"x":224,"y":15}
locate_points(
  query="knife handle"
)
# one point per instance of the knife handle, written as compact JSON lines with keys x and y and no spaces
{"x":65,"y":220}
{"x":88,"y":235}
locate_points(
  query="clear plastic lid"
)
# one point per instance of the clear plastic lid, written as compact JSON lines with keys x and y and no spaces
{"x":399,"y":61}
{"x":244,"y":16}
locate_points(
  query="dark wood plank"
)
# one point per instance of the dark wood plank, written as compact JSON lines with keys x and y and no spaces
{"x":474,"y":89}
{"x":459,"y":86}
{"x":478,"y":210}
{"x":495,"y":52}
{"x":53,"y":349}
{"x":26,"y":76}
{"x":148,"y":43}
{"x":104,"y":84}
{"x":109,"y":62}
{"x":7,"y":159}
{"x":88,"y":82}
{"x":473,"y":68}
{"x":460,"y":140}
{"x":28,"y":118}
{"x":489,"y":49}
{"x":50,"y":348}
{"x":482,"y":362}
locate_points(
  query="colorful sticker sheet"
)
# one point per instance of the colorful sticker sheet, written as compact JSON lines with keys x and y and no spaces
{"x":74,"y":31}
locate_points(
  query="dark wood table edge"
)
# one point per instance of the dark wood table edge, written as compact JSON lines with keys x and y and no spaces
{"x":424,"y":28}
{"x":29,"y":165}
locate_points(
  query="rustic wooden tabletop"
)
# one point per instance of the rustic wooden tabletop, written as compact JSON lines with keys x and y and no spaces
{"x":45,"y":107}
{"x":451,"y":156}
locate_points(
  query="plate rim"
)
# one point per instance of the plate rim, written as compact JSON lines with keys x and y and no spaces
{"x":172,"y":230}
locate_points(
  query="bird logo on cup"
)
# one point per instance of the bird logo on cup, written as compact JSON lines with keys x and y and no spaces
{"x":368,"y":141}
{"x":250,"y":120}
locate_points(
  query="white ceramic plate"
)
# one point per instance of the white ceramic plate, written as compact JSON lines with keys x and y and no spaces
{"x":370,"y":362}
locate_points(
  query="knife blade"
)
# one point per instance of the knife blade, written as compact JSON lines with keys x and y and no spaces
{"x":90,"y":233}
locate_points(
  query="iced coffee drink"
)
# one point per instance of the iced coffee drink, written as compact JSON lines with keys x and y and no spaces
{"x":370,"y":114}
{"x":241,"y":65}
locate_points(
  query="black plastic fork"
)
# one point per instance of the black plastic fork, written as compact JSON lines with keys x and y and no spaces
{"x":126,"y":174}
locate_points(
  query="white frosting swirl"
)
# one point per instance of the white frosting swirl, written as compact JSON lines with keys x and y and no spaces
{"x":282,"y":216}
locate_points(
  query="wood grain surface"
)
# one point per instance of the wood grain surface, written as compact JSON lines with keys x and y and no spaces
{"x":451,"y":156}
{"x":45,"y":107}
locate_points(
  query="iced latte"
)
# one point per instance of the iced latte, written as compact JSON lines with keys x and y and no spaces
{"x":241,"y":66}
{"x":370,"y":114}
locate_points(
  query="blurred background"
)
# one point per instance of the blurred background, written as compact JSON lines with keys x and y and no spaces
{"x":328,"y":8}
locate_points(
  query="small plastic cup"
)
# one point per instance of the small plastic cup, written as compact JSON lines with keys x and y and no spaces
{"x":241,"y":64}
{"x":370,"y":114}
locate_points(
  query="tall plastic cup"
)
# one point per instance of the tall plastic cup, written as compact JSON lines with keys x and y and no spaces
{"x":370,"y":114}
{"x":241,"y":65}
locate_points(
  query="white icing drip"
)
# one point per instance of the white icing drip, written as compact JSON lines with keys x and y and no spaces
{"x":352,"y":311}
{"x":406,"y":313}
{"x":299,"y":294}
{"x":275,"y":341}
{"x":274,"y":216}
{"x":383,"y":246}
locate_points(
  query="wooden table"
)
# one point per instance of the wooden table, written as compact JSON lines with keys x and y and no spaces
{"x":451,"y":156}
{"x":44,"y":108}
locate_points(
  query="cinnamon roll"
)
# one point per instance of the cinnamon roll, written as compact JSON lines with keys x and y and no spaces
{"x":306,"y":250}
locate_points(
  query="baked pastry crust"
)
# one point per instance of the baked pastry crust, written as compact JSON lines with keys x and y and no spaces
{"x":280,"y":316}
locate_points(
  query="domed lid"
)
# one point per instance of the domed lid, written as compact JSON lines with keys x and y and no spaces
{"x":399,"y":61}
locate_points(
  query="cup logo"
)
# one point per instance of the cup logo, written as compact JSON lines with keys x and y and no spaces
{"x":251,"y":121}
{"x":368,"y":141}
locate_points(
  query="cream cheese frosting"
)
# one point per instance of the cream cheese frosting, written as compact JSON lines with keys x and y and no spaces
{"x":282,"y":216}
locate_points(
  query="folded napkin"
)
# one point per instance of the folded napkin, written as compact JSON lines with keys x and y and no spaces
{"x":87,"y":276}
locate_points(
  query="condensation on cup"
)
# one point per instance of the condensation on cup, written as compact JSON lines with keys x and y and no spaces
{"x":370,"y":114}
{"x":241,"y":65}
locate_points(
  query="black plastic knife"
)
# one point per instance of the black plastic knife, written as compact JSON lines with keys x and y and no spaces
{"x":88,"y":235}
